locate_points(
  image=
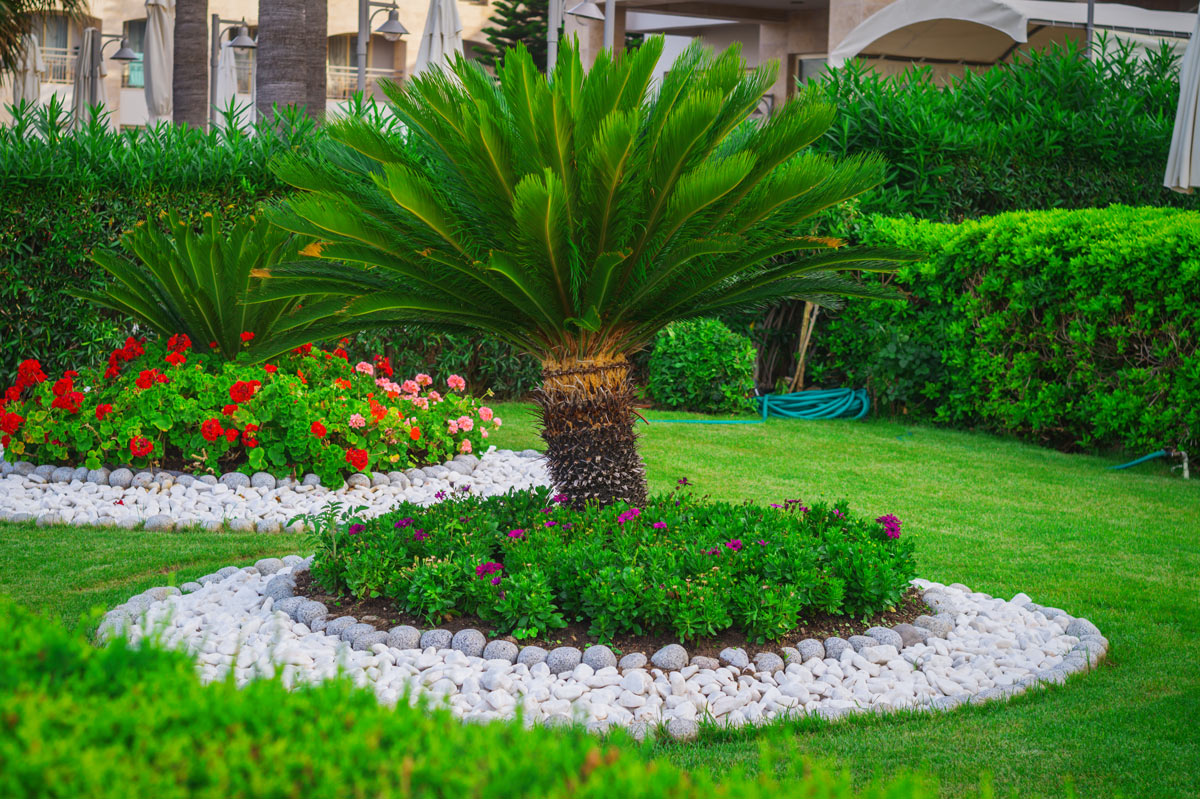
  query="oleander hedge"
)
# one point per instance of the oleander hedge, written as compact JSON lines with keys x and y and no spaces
{"x":1077,"y":329}
{"x":116,"y":722}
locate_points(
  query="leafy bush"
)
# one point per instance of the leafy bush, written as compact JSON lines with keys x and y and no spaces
{"x":1052,"y":129}
{"x":204,"y":284}
{"x":65,"y":194}
{"x":115,"y":722}
{"x":1072,"y":328}
{"x":701,"y":365}
{"x":526,"y":562}
{"x":167,"y":404}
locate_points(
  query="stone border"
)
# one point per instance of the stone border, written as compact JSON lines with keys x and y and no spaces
{"x":865,"y":673}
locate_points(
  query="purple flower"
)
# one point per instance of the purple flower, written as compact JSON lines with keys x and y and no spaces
{"x":405,"y":522}
{"x":838,"y":513}
{"x":628,"y":515}
{"x":466,"y":489}
{"x":420,"y":535}
{"x":774,"y":505}
{"x":761,"y":542}
{"x":440,"y":495}
{"x":355,"y":529}
{"x":659,"y":525}
{"x":516,"y":533}
{"x":891,"y":525}
{"x":551,"y":523}
{"x":559,"y":498}
{"x":735,"y":544}
{"x":547,"y":510}
{"x":488,"y":567}
{"x":495,"y":581}
{"x":683,"y":481}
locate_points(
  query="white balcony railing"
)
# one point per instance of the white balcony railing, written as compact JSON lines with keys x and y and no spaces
{"x":60,"y":65}
{"x":342,"y":81}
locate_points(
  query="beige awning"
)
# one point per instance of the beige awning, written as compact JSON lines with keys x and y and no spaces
{"x":984,"y":32}
{"x":1183,"y":159}
{"x":159,"y":59}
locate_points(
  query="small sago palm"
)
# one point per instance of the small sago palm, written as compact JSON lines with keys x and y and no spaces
{"x":575,"y":216}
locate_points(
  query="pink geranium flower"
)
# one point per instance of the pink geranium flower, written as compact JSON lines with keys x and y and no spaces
{"x":466,"y":424}
{"x":465,"y":446}
{"x":364,"y":367}
{"x":424,"y":380}
{"x":456,"y":382}
{"x":452,"y":427}
{"x":485,"y":413}
{"x":410,"y":387}
{"x":357,"y":420}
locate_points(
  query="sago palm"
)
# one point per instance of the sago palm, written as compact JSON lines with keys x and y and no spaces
{"x":575,"y":215}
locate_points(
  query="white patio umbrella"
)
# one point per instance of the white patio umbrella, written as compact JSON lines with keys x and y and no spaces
{"x":442,"y":37}
{"x":1183,"y":159}
{"x":27,"y":78}
{"x":158,"y":60}
{"x":88,"y":89}
{"x":226,"y":81}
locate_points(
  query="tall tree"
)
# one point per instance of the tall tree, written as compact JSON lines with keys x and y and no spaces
{"x":281,"y":60}
{"x":317,"y":22}
{"x":578,"y":241}
{"x":517,"y":22}
{"x":189,"y":83}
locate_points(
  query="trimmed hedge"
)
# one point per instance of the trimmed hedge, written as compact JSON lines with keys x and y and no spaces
{"x":701,"y":365}
{"x":76,"y":721}
{"x":1070,"y":328}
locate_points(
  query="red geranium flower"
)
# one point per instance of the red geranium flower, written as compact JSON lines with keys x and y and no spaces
{"x":384,"y":366}
{"x":318,"y":429}
{"x":132,"y":349}
{"x":358,"y":458}
{"x":342,"y":383}
{"x":70,"y":402}
{"x":29,"y":372}
{"x":229,"y":409}
{"x":62,"y":386}
{"x":341,"y":353}
{"x":211,"y":430}
{"x":247,"y":336}
{"x":146,"y":378}
{"x":415,"y":434}
{"x":270,"y":368}
{"x":140,"y":446}
{"x":13,"y":394}
{"x":248,"y":436}
{"x":176,"y":359}
{"x":10,"y":422}
{"x":243,"y":390}
{"x":300,"y":375}
{"x":212,"y":345}
{"x":303,"y":349}
{"x":102,"y":411}
{"x":179,"y":342}
{"x":231,"y":434}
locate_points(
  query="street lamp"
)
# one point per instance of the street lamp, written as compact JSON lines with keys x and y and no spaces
{"x":240,"y":42}
{"x":587,"y":10}
{"x":391,"y":30}
{"x":124,"y":52}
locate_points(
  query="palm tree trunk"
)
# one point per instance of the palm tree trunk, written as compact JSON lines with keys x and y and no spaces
{"x":317,"y":20}
{"x":189,"y":83}
{"x":281,"y":58}
{"x":586,"y":409}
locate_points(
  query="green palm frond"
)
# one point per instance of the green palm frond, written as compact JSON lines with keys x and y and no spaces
{"x":577,"y":212}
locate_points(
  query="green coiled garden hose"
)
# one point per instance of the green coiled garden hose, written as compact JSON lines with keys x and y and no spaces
{"x":835,"y":403}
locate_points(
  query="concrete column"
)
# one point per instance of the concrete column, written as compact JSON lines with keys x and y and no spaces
{"x":845,"y":15}
{"x":590,"y":33}
{"x":773,"y":46}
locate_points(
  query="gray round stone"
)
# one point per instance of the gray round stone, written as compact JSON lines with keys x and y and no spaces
{"x":80,"y":474}
{"x":886,"y":636}
{"x":1053,"y":613}
{"x":563,"y":659}
{"x":289,"y":605}
{"x":142,"y":479}
{"x":835,"y":646}
{"x":279,"y":587}
{"x":292,"y":560}
{"x":226,"y":572}
{"x":46,"y":470}
{"x":190,"y":587}
{"x":310,"y":611}
{"x":213,"y":525}
{"x":414,"y":474}
{"x":683,"y":729}
{"x":735,"y":657}
{"x":529,"y":453}
{"x":262,"y":480}
{"x":6,"y":468}
{"x":162,"y":592}
{"x":790,"y":654}
{"x":23,"y":468}
{"x":358,"y":480}
{"x":368,"y":640}
{"x":63,"y":474}
{"x":354,"y":630}
{"x":208,"y":479}
{"x":268,"y":565}
{"x":438,"y":639}
{"x":98,"y":476}
{"x":379,"y":480}
{"x":470,"y":642}
{"x":242,"y":525}
{"x":811,"y":648}
{"x":947,"y":702}
{"x":120,"y":478}
{"x":704,"y":662}
{"x":939,"y":626}
{"x":500,"y":650}
{"x":339,"y":625}
{"x":861,"y":642}
{"x":532,"y":655}
{"x":634,"y":660}
{"x":461,"y":468}
{"x":310,"y":479}
{"x":768,"y":662}
{"x":268,"y":526}
{"x":235,"y":480}
{"x":21,"y":517}
{"x":910,"y":635}
{"x":403,"y":637}
{"x":599,"y":657}
{"x":671,"y":657}
{"x":940,"y":603}
{"x":48,"y":519}
{"x":160,"y":522}
{"x":212,"y":578}
{"x":185,"y":480}
{"x":1081,"y":627}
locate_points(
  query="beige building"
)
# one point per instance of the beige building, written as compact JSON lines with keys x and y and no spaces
{"x":801,"y":36}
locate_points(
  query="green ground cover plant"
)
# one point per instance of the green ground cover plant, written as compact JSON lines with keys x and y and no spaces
{"x":701,"y":365}
{"x":527,"y":561}
{"x":1076,"y":329}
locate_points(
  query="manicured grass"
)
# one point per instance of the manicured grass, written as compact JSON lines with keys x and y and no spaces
{"x":1118,"y":547}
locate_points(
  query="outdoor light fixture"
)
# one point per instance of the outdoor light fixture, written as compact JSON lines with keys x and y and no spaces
{"x":588,"y":10}
{"x":243,"y":41}
{"x":124,"y":53}
{"x":393,"y":29}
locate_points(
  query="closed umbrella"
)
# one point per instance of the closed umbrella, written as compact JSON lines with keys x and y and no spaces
{"x":158,"y":61}
{"x":27,"y":82}
{"x":1183,"y":160}
{"x":89,"y":77}
{"x":226,"y":81}
{"x":442,"y":37}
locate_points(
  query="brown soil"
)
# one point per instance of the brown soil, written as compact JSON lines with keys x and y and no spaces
{"x":384,"y":615}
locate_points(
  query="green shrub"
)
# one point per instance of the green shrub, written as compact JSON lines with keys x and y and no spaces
{"x":1070,"y":328}
{"x":527,"y":561}
{"x":117,"y":722}
{"x":701,"y":365}
{"x":1052,"y":129}
{"x":166,"y":404}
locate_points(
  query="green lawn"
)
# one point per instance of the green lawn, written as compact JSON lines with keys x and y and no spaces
{"x":1122,"y":548}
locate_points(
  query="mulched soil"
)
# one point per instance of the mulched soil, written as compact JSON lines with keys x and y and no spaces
{"x":384,"y":615}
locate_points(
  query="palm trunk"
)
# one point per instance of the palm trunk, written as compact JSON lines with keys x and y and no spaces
{"x":281,"y":58}
{"x":317,"y":20}
{"x":189,"y":83}
{"x":586,"y":409}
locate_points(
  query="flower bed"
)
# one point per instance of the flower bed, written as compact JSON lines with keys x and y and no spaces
{"x":172,"y":405}
{"x":526,"y":563}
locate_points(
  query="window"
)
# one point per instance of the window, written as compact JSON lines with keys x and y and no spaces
{"x":54,"y":36}
{"x":134,"y":76}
